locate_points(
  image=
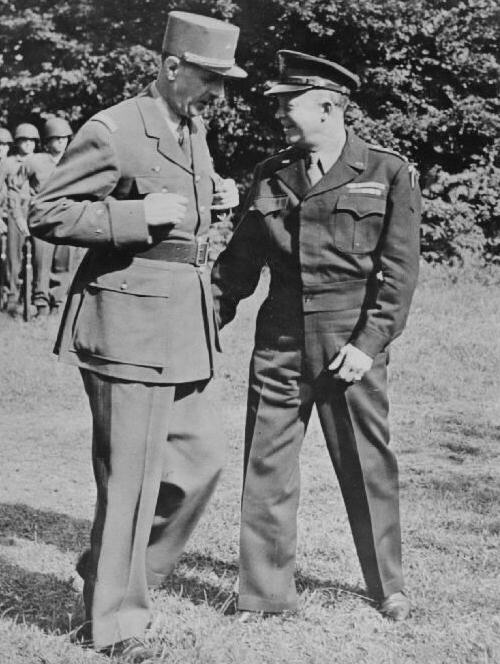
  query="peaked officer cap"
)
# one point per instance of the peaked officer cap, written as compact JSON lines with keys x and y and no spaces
{"x":203,"y":41}
{"x":300,"y":71}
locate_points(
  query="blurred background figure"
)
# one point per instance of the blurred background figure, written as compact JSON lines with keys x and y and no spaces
{"x":51,"y":265}
{"x":6,"y":141}
{"x":18,"y":195}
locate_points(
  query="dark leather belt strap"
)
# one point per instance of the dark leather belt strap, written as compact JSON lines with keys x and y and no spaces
{"x":194,"y":253}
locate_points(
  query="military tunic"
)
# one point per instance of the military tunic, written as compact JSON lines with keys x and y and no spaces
{"x":141,"y":329}
{"x":343,"y":261}
{"x":18,"y":196}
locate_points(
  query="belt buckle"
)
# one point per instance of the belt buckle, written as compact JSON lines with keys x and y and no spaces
{"x":201,"y":252}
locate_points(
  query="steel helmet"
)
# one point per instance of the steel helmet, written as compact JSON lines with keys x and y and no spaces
{"x":56,"y":127}
{"x":26,"y":130}
{"x":5,"y":135}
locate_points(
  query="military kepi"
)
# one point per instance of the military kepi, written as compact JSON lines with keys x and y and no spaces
{"x":301,"y":72}
{"x":203,"y":41}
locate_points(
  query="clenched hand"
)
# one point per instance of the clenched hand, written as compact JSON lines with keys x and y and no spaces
{"x":165,"y":209}
{"x":351,"y":363}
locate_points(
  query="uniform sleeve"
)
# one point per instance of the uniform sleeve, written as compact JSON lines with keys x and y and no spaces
{"x":76,"y":206}
{"x":396,"y":266}
{"x":18,"y":195}
{"x":236,"y":272}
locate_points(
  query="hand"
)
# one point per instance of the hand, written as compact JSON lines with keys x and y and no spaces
{"x":165,"y":209}
{"x":226,"y":195}
{"x":351,"y":363}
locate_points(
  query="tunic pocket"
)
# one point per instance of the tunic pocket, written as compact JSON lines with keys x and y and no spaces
{"x":124,"y":317}
{"x":358,"y":222}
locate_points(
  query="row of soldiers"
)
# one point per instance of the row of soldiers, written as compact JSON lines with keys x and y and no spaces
{"x":22,"y":174}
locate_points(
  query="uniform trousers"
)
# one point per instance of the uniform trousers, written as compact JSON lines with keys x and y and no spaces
{"x":157,"y":454}
{"x":355,"y":425}
{"x":49,"y":259}
{"x":15,"y":243}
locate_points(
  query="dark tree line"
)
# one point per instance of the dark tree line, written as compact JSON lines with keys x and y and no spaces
{"x":429,"y":69}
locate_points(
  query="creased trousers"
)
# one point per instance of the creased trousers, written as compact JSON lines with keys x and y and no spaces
{"x":157,"y":454}
{"x":354,"y":420}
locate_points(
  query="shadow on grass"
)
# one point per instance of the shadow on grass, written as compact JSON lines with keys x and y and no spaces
{"x":61,"y":530}
{"x":38,"y":599}
{"x":203,"y":579}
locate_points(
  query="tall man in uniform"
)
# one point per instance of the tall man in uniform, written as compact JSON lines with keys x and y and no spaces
{"x":136,"y":186}
{"x":56,"y":134}
{"x":18,"y":196}
{"x":337,"y":222}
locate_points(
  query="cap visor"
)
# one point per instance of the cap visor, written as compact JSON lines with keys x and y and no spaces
{"x":231,"y":72}
{"x":283,"y":88}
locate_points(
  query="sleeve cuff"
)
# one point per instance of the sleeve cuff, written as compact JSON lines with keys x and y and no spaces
{"x":128,"y":223}
{"x":370,"y":342}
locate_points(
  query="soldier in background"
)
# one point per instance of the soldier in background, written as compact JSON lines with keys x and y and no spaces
{"x":18,"y":197}
{"x":46,"y":257}
{"x":337,"y":222}
{"x":5,"y":143}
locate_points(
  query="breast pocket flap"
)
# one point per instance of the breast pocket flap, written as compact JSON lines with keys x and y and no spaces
{"x":362,"y":206}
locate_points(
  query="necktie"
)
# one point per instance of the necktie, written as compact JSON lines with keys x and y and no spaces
{"x":184,"y":138}
{"x":314,"y":168}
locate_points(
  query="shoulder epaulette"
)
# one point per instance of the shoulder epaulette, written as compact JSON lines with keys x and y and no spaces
{"x":106,"y":120}
{"x":379,"y":148}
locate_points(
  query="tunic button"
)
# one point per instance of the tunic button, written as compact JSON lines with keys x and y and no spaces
{"x":197,"y":178}
{"x":164,"y":190}
{"x":155,"y":169}
{"x":124,"y":286}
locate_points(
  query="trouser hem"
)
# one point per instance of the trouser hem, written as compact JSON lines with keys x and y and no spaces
{"x":253,"y":603}
{"x":389,"y":588}
{"x":120,"y":626}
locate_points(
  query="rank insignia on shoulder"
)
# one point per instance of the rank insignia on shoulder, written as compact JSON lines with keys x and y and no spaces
{"x":379,"y":148}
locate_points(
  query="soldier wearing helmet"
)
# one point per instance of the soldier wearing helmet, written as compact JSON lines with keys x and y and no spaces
{"x":5,"y":143}
{"x":18,"y":195}
{"x":56,"y":133}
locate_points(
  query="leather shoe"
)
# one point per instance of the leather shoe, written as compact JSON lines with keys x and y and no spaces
{"x":129,"y":651}
{"x":396,"y":607}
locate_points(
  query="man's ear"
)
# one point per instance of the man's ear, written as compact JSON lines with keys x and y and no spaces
{"x":171,"y":66}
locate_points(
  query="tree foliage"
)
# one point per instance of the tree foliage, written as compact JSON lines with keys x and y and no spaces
{"x":429,"y":70}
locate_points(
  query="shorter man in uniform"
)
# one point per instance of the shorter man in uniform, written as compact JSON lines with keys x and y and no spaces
{"x":18,"y":196}
{"x":56,"y":133}
{"x":337,"y":222}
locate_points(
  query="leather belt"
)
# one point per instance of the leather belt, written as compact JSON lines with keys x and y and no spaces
{"x":194,"y":252}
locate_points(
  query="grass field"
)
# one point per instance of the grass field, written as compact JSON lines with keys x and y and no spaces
{"x":445,"y":395}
